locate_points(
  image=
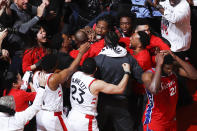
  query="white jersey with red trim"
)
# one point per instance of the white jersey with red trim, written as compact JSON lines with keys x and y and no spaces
{"x":53,"y":100}
{"x":80,"y":96}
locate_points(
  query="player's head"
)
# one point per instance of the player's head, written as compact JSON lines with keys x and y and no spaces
{"x":126,"y":21}
{"x":7,"y":105}
{"x":89,"y":66}
{"x":49,"y":63}
{"x":142,"y":24}
{"x":111,"y":39}
{"x":168,"y":66}
{"x":139,"y":40}
{"x":80,"y":37}
{"x":103,"y":25}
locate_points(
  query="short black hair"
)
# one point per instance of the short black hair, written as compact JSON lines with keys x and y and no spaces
{"x":35,"y":29}
{"x":49,"y":62}
{"x":110,"y":20}
{"x":141,"y":21}
{"x":168,"y":60}
{"x":144,"y":38}
{"x":9,"y":79}
{"x":89,"y":66}
{"x":130,"y":15}
{"x":111,"y":39}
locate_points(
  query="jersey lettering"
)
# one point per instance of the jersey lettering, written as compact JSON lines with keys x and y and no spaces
{"x":80,"y":92}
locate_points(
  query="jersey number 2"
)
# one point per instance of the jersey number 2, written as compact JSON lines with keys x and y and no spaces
{"x":173,"y":91}
{"x":81,"y":100}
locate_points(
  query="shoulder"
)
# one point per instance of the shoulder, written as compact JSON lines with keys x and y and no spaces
{"x":147,"y":76}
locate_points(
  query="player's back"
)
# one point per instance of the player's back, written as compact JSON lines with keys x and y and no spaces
{"x":53,"y":101}
{"x":80,"y":96}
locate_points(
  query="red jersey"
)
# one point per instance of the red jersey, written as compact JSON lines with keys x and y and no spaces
{"x":125,"y":40}
{"x":144,"y":60}
{"x":94,"y":50}
{"x":157,"y":42}
{"x":32,"y":56}
{"x":160,"y":111}
{"x":21,"y":98}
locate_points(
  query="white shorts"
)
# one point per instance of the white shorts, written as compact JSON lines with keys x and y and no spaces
{"x":47,"y":121}
{"x":77,"y":121}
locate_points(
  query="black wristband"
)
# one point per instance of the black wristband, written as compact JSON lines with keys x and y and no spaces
{"x":37,"y":17}
{"x":126,"y":72}
{"x":42,"y":87}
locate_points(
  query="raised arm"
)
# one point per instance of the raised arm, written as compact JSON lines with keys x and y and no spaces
{"x":152,"y":81}
{"x":186,"y":70}
{"x":101,"y":86}
{"x":62,"y":76}
{"x":21,"y":118}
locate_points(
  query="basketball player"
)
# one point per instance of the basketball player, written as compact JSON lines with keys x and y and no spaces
{"x":84,"y":95}
{"x":162,"y":91}
{"x":50,"y":117}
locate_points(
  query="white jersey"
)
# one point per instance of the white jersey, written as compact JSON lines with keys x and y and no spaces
{"x":80,"y":96}
{"x":53,"y":100}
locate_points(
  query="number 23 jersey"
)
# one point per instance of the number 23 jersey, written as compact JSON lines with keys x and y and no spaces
{"x":81,"y":98}
{"x":161,"y":108}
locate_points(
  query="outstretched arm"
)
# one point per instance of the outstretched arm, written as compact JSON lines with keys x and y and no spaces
{"x":101,"y":86}
{"x":62,"y":76}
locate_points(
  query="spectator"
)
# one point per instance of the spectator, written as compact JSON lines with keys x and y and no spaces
{"x":144,"y":10}
{"x":16,"y":121}
{"x":126,"y":24}
{"x":174,"y":14}
{"x":12,"y":86}
{"x":32,"y":57}
{"x":156,"y":42}
{"x":23,"y":24}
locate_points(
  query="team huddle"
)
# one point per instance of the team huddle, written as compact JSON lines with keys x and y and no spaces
{"x":108,"y":77}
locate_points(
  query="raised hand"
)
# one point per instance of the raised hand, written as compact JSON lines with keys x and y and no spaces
{"x":84,"y":48}
{"x":160,"y":58}
{"x":42,"y":79}
{"x":166,"y":52}
{"x":41,"y":8}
